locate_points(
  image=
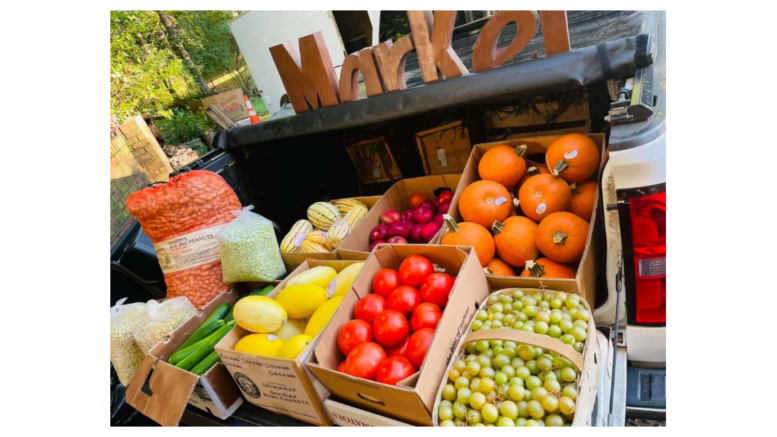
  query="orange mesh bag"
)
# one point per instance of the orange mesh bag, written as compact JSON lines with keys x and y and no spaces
{"x":184,"y":218}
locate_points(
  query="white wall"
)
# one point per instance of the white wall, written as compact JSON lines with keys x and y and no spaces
{"x":257,"y":31}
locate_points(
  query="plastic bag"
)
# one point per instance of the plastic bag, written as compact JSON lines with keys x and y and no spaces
{"x":249,"y":250}
{"x":184,"y":218}
{"x":163,"y":319}
{"x":125,"y":353}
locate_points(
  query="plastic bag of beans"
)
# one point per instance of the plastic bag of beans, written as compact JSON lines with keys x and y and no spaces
{"x":249,"y":250}
{"x":125,"y":353}
{"x":184,"y":218}
{"x":163,"y":318}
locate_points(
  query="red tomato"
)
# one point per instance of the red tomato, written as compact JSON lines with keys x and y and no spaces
{"x":385,"y":282}
{"x":404,"y":299}
{"x":418,"y":345}
{"x":445,"y":195}
{"x":353,"y":334}
{"x":390,"y":328}
{"x":369,"y":307}
{"x":427,"y":315}
{"x":394,"y":369}
{"x":414,"y":270}
{"x":397,"y":350}
{"x":364,"y":360}
{"x":415,"y":200}
{"x":436,"y":289}
{"x":341,"y":367}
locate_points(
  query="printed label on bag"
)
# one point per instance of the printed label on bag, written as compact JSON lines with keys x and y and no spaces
{"x":541,"y":208}
{"x":190,"y":250}
{"x":571,"y":155}
{"x":442,"y":157}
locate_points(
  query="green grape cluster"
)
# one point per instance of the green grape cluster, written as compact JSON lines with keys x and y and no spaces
{"x":502,"y":383}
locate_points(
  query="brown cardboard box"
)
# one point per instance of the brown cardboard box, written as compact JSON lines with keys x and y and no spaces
{"x":346,"y":415}
{"x":554,"y":114}
{"x":294,"y":260}
{"x":161,"y":391}
{"x":412,"y":399}
{"x":444,"y":149}
{"x":232,"y":102}
{"x":357,"y":245}
{"x":585,"y":282}
{"x":587,"y":362}
{"x":277,"y":384}
{"x":374,"y":161}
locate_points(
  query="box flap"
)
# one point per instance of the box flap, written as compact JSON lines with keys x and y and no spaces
{"x":161,"y":391}
{"x":346,"y":415}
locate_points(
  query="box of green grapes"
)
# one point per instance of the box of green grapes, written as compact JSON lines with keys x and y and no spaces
{"x":529,"y":358}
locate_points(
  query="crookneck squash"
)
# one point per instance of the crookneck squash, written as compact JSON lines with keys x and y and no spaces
{"x":561,"y":237}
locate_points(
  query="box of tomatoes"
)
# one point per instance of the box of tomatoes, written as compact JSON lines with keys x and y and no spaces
{"x":527,"y":220}
{"x":387,"y":347}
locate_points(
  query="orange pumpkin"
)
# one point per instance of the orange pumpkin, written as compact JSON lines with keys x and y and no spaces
{"x":583,"y":195}
{"x":561,"y":237}
{"x":504,"y":165}
{"x":497,"y":267}
{"x":470,"y":234}
{"x":534,"y":170}
{"x":542,"y":195}
{"x":547,"y":268}
{"x":574,"y":157}
{"x":515,"y":240}
{"x":485,"y":202}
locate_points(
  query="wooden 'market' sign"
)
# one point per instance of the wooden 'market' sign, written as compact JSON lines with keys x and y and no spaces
{"x":310,"y":79}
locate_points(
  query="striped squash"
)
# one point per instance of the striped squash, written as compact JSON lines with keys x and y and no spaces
{"x":337,"y":233}
{"x":310,"y":247}
{"x":356,"y":215}
{"x":323,"y":215}
{"x":345,"y":205}
{"x":300,"y":227}
{"x":318,"y":237}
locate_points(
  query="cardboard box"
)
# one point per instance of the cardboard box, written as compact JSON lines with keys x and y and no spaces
{"x":444,"y":149}
{"x":554,"y":114}
{"x":346,"y":415}
{"x":294,"y":260}
{"x":161,"y":391}
{"x":588,"y":361}
{"x":585,"y":282}
{"x":357,"y":245}
{"x":280,"y":385}
{"x":374,"y":161}
{"x":232,"y":102}
{"x":412,"y":399}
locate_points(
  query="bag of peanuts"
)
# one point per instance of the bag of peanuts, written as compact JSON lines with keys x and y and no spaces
{"x":184,"y":218}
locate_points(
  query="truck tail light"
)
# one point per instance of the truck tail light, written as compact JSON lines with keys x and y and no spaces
{"x":648,"y":222}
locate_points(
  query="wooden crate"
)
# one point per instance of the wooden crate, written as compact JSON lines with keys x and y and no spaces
{"x":373,"y":161}
{"x":444,"y":149}
{"x":555,"y":114}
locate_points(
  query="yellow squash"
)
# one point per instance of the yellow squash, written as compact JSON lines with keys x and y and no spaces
{"x":291,"y":328}
{"x":302,"y":300}
{"x":321,"y":276}
{"x":322,"y":316}
{"x":346,"y":278}
{"x":266,"y":345}
{"x":259,"y":314}
{"x":292,"y":348}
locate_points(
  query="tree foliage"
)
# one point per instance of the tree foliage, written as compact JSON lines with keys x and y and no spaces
{"x":393,"y":25}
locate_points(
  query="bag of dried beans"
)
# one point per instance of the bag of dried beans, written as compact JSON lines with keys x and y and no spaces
{"x":184,"y":218}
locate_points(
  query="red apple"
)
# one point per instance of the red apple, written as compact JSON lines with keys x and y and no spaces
{"x":375,"y":243}
{"x":429,"y":231}
{"x":415,"y":233}
{"x":397,"y":240}
{"x":423,"y":215}
{"x":444,"y":207}
{"x":379,"y":232}
{"x":390,"y":216}
{"x":401,"y":229}
{"x":407,"y":215}
{"x":439,"y":219}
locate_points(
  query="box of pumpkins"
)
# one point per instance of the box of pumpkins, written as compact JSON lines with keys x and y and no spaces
{"x":326,"y":226}
{"x":387,"y":346}
{"x":528,"y":208}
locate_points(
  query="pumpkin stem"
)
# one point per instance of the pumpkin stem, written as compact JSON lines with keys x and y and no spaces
{"x":497,"y":228}
{"x":535,"y":269}
{"x":516,"y":206}
{"x":575,"y":189}
{"x":560,"y":166}
{"x":451,"y":223}
{"x":559,"y":238}
{"x":486,"y":271}
{"x":520,"y":150}
{"x":533,"y":171}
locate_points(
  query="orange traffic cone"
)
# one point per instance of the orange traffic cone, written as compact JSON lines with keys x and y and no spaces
{"x":251,"y":113}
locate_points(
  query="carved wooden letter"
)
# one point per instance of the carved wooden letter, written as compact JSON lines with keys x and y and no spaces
{"x":349,"y":76}
{"x":435,"y":52}
{"x":484,"y":54}
{"x":391,"y":61}
{"x":555,"y":32}
{"x":311,"y":80}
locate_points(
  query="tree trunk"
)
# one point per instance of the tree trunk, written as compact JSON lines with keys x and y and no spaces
{"x":182,"y":53}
